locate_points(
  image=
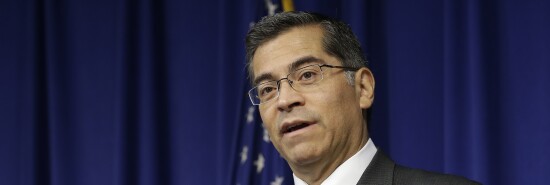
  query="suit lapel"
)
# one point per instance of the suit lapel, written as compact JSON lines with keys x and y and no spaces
{"x":379,"y":171}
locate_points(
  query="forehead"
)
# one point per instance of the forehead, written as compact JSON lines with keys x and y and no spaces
{"x":275,"y":56}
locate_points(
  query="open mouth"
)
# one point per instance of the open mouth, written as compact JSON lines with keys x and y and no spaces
{"x":294,"y":127}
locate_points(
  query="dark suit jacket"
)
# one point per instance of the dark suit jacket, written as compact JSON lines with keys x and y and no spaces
{"x":382,"y":170}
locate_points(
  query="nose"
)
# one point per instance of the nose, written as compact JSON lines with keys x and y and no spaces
{"x":288,"y":97}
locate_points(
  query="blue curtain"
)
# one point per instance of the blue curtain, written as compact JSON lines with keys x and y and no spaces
{"x":152,"y":91}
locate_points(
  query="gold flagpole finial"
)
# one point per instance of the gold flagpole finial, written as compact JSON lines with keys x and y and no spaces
{"x":288,"y":5}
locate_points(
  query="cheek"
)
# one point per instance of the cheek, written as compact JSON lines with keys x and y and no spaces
{"x":339,"y":103}
{"x":269,"y":121}
{"x":333,"y":97}
{"x":266,"y":116}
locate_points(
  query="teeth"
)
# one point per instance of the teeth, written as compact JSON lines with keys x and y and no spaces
{"x":296,"y":127}
{"x":291,"y":129}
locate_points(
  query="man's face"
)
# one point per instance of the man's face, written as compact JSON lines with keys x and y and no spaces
{"x":310,"y":127}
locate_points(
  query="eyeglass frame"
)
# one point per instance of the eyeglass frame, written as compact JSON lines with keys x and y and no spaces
{"x":291,"y":82}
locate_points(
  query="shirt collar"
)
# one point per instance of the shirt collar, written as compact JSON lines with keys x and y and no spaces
{"x":351,"y":170}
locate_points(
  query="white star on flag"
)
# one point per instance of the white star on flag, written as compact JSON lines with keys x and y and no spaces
{"x":278,"y":180}
{"x":271,"y":7}
{"x":259,"y":163}
{"x":244,"y":154}
{"x":250,"y":114}
{"x":266,"y":135}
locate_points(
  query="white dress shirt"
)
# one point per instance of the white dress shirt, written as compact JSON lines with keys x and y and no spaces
{"x":351,"y":170}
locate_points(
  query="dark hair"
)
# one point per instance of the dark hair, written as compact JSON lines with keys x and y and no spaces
{"x":338,"y":39}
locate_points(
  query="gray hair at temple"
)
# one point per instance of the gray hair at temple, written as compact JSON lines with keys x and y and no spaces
{"x":338,"y":38}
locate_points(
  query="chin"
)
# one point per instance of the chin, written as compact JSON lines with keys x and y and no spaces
{"x":303,"y":157}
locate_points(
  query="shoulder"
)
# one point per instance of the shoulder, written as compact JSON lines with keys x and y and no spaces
{"x":405,"y":175}
{"x":382,"y":170}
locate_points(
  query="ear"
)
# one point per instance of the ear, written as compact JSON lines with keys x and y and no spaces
{"x":364,"y":87}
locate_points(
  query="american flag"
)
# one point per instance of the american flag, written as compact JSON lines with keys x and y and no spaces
{"x":257,"y":161}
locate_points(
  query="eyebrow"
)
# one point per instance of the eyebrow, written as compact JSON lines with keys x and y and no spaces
{"x":304,"y":60}
{"x":291,"y":67}
{"x":262,"y":77}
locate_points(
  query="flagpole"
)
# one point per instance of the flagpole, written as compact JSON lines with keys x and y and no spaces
{"x":288,"y":5}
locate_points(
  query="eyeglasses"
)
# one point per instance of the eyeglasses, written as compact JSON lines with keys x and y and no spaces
{"x":300,"y":80}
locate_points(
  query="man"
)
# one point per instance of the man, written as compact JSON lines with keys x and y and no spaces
{"x":313,"y":90}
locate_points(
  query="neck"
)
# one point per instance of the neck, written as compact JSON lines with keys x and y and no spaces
{"x":317,"y":172}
